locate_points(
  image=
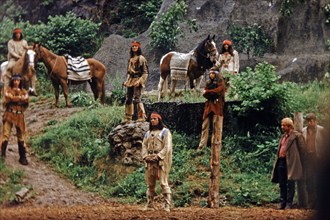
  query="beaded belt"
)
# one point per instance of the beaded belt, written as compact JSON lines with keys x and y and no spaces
{"x":14,"y":111}
{"x":153,"y":152}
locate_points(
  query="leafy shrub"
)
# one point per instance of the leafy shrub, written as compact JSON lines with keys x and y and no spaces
{"x":143,"y":11}
{"x":67,"y":34}
{"x":165,"y":31}
{"x":250,"y":39}
{"x":287,"y":6}
{"x":259,"y":90}
{"x":118,"y":93}
{"x":82,"y":99}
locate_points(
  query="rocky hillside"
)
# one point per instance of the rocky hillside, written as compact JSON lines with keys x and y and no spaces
{"x":299,"y":42}
{"x":299,"y":49}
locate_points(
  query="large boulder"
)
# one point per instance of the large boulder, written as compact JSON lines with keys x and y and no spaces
{"x":126,"y":142}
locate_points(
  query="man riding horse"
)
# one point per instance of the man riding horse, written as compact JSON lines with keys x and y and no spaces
{"x":16,"y":48}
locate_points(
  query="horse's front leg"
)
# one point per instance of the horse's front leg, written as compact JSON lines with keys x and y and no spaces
{"x":192,"y":85}
{"x":65,"y":92}
{"x":56,"y":86}
{"x":198,"y":83}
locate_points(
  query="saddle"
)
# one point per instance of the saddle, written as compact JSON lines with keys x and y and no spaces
{"x":78,"y":68}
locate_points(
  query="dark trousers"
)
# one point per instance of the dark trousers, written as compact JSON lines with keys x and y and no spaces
{"x":287,"y":187}
{"x":133,"y":95}
{"x":311,"y":172}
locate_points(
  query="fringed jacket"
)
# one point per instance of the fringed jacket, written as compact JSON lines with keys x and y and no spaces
{"x":15,"y":102}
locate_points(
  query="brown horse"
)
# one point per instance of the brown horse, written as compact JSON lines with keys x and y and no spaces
{"x":57,"y":71}
{"x":190,"y":65}
{"x":24,"y":66}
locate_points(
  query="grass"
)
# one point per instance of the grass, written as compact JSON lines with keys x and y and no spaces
{"x":10,"y":183}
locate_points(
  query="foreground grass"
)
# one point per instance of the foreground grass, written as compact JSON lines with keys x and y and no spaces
{"x":10,"y":182}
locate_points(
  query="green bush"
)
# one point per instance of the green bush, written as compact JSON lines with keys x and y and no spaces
{"x":144,"y":11}
{"x":67,"y":34}
{"x":250,"y":39}
{"x":259,"y":90}
{"x":165,"y":31}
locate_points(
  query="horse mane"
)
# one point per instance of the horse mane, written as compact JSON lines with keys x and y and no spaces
{"x":201,"y":55}
{"x":25,"y":62}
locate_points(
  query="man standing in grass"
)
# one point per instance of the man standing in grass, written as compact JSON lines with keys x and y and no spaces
{"x":157,"y":155}
{"x":287,"y":166}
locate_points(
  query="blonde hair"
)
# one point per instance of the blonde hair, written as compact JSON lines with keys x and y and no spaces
{"x":287,"y":121}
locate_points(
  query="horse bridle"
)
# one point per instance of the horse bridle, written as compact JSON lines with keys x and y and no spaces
{"x":209,"y":52}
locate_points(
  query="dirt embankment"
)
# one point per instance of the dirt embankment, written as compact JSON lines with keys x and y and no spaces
{"x":55,"y":197}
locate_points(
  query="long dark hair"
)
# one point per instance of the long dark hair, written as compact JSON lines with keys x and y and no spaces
{"x":160,"y":125}
{"x":139,"y":52}
{"x":11,"y":82}
{"x":14,"y":37}
{"x":230,"y":49}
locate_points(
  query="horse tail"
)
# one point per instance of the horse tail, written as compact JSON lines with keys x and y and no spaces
{"x":165,"y":86}
{"x":103,"y":93}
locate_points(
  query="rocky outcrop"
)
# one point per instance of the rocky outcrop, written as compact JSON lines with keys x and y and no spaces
{"x":126,"y":142}
{"x":299,"y":50}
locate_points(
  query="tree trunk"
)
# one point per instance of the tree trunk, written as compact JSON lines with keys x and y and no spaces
{"x":214,"y":186}
{"x":301,"y":185}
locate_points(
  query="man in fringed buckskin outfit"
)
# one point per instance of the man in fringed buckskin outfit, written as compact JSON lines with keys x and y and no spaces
{"x":214,"y":92}
{"x":137,"y":73}
{"x":157,"y":155}
{"x":15,"y":102}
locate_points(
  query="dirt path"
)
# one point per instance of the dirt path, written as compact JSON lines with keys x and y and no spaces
{"x":55,"y":197}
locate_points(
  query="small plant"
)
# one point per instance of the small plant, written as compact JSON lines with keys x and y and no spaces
{"x":118,"y":93}
{"x":82,"y":99}
{"x":327,"y":13}
{"x":250,"y":39}
{"x":165,"y":31}
{"x":287,"y":6}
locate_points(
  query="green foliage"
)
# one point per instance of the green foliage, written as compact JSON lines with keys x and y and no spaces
{"x":259,"y":90}
{"x":131,"y":11}
{"x":245,"y":189}
{"x":327,"y":13}
{"x":11,"y":10}
{"x":82,"y":99}
{"x":286,"y":8}
{"x":11,"y":182}
{"x":165,"y":31}
{"x":311,"y":97}
{"x":67,"y":34}
{"x":78,"y":146}
{"x":250,"y":39}
{"x":118,"y":93}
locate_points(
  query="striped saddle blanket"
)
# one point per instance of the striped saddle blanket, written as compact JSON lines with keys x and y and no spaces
{"x":78,"y":68}
{"x":179,"y":65}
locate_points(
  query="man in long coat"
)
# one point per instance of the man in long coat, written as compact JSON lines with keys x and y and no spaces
{"x":287,"y":166}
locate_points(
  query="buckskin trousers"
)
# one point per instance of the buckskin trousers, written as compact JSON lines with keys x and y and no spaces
{"x":216,"y":131}
{"x":155,"y":172}
{"x":7,"y":126}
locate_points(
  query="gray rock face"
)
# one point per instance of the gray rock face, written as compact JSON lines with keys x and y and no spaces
{"x":303,"y":35}
{"x":126,"y":142}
